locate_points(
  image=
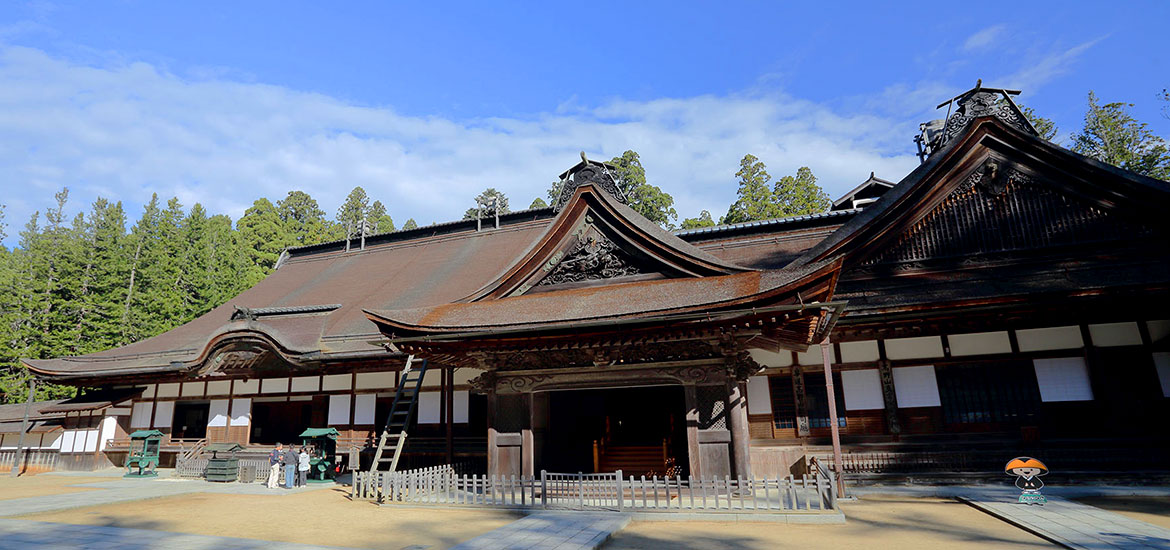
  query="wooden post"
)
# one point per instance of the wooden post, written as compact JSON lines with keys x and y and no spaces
{"x":18,"y":458}
{"x":449,"y":379}
{"x":740,"y":435}
{"x":693,"y":450}
{"x":825,"y":353}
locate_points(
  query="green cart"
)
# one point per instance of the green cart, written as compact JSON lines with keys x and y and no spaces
{"x":144,"y":446}
{"x":322,"y":444}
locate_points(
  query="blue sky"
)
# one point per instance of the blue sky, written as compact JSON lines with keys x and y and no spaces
{"x":424,"y":106}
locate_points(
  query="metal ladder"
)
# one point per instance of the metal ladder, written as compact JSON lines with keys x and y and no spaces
{"x":401,"y":410}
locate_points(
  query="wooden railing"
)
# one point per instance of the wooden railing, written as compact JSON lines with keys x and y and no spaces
{"x":441,"y":485}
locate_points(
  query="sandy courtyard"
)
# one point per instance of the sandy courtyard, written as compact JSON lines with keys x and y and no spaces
{"x":42,"y":485}
{"x":875,"y":521}
{"x":322,"y":517}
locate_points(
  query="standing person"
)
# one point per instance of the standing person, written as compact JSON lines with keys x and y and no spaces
{"x":303,"y":467}
{"x":290,"y":467}
{"x":274,"y":460}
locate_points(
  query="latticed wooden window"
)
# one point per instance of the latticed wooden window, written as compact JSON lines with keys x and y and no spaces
{"x":988,"y":393}
{"x":818,"y":400}
{"x":783,"y":402}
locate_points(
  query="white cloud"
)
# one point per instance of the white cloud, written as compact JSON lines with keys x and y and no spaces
{"x":1048,"y":66}
{"x":125,"y":130}
{"x":984,"y":37}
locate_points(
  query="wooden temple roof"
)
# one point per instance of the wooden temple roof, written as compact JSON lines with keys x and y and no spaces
{"x":963,"y":229}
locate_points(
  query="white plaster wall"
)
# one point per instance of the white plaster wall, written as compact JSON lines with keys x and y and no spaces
{"x":862,"y":390}
{"x":219,"y":387}
{"x":857,"y":352}
{"x":433,"y":378}
{"x":335,"y":382}
{"x":375,"y":380}
{"x":1115,"y":334}
{"x":108,"y":429}
{"x":339,"y":409}
{"x":247,"y":387}
{"x":460,"y":406}
{"x":164,"y":414}
{"x":140,"y":414}
{"x":241,"y":412}
{"x":1159,"y":330}
{"x":363,"y":408}
{"x":759,"y":397}
{"x":1049,"y":338}
{"x":192,"y":389}
{"x":306,"y":383}
{"x":463,"y":376}
{"x":429,"y":404}
{"x":772,"y":359}
{"x":1063,"y":379}
{"x":1162,"y":364}
{"x":274,"y":385}
{"x":979,"y":343}
{"x":920,"y":347}
{"x":814,"y":357}
{"x":916,"y":387}
{"x":217,"y":413}
{"x":167,"y":390}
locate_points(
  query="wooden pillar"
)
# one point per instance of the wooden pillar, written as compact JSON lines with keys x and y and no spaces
{"x":833,"y":428}
{"x":508,"y":414}
{"x":18,"y":458}
{"x":692,"y":417}
{"x":538,"y":422}
{"x":889,"y":398}
{"x":447,"y":382}
{"x":800,"y":401}
{"x":738,"y":422}
{"x":491,"y":430}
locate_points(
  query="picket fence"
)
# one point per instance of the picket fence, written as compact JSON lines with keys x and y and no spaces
{"x":580,"y":491}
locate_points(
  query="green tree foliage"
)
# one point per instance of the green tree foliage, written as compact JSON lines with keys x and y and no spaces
{"x":704,"y":220}
{"x":538,"y":203}
{"x":1113,"y":136}
{"x":799,"y":195}
{"x":87,"y":283}
{"x":485,"y":198}
{"x":410,"y":224}
{"x":648,"y":200}
{"x":1045,"y":127}
{"x":754,"y":196}
{"x":304,"y":221}
{"x":789,"y":196}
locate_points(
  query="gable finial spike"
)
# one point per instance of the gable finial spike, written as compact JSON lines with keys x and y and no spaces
{"x":978,"y":83}
{"x":584,"y":158}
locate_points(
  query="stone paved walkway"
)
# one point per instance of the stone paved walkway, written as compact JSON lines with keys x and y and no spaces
{"x":551,"y":531}
{"x":1071,"y":524}
{"x":18,"y":534}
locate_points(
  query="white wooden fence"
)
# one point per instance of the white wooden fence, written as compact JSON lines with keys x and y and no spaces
{"x":441,"y":485}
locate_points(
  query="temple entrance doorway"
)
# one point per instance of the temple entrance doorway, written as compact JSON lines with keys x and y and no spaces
{"x":641,"y":431}
{"x":280,"y":421}
{"x":190,"y":420}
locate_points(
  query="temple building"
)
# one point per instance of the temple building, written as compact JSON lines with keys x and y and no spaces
{"x":1007,"y":294}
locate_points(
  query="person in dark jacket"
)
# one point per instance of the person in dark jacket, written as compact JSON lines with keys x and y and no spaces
{"x":289,"y":458}
{"x":274,"y":460}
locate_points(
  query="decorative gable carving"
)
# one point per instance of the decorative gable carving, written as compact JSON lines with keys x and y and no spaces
{"x":594,"y":257}
{"x":1002,"y":209}
{"x":586,"y":172}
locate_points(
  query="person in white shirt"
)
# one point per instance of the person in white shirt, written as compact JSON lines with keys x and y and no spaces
{"x":303,"y":467}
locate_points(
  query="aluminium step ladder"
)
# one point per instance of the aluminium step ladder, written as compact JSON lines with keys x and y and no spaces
{"x":405,"y":400}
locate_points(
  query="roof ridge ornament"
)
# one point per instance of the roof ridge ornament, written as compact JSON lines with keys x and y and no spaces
{"x":584,"y":172}
{"x":972,"y":104}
